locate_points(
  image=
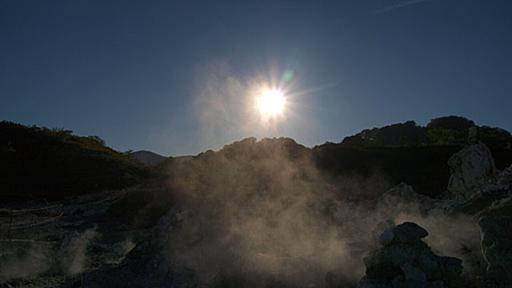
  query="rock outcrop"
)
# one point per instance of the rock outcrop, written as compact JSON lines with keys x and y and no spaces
{"x":479,"y":190}
{"x":404,"y":260}
{"x":475,"y":183}
{"x":471,"y":168}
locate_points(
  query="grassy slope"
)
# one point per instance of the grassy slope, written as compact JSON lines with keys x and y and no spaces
{"x":40,"y":162}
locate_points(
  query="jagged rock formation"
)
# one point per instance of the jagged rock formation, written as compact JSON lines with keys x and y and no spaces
{"x":481,"y":191}
{"x":404,"y":260}
{"x":485,"y":196}
{"x":471,"y":168}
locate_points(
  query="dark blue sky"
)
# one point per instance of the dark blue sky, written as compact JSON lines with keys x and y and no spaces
{"x":135,"y":72}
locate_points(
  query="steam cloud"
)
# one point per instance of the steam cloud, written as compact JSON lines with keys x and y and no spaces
{"x":259,"y":214}
{"x":271,"y":217}
{"x":74,"y":258}
{"x":40,"y":258}
{"x":30,"y":263}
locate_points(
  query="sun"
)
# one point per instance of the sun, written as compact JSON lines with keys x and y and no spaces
{"x":271,"y":103}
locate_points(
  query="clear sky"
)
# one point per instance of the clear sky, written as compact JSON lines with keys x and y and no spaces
{"x":170,"y":76}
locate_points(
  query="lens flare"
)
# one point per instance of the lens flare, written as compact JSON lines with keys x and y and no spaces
{"x":271,"y":103}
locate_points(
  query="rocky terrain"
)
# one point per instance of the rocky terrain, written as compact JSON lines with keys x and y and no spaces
{"x":273,"y":213}
{"x":406,"y":261}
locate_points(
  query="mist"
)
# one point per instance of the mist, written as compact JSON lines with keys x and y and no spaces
{"x":71,"y":258}
{"x":27,"y":263}
{"x":261,"y":212}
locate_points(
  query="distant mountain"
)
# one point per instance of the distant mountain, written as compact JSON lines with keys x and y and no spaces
{"x":148,"y":158}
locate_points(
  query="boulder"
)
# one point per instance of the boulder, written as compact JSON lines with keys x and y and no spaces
{"x":471,"y":168}
{"x":480,"y":191}
{"x":406,"y":232}
{"x":405,"y":260}
{"x":409,"y":232}
{"x":486,"y":186}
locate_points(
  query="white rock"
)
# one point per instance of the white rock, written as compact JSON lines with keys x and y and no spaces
{"x":471,"y":168}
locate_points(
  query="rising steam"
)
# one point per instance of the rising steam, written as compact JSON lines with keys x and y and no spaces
{"x":261,"y":211}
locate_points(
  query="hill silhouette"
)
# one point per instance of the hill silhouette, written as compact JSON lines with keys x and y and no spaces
{"x":256,"y":213}
{"x":54,"y":163}
{"x":407,"y":152}
{"x":449,"y":130}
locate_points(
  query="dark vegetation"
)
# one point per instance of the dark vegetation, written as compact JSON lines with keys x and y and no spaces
{"x":450,"y":130}
{"x":54,"y":163}
{"x":423,"y":167}
{"x":406,"y":152}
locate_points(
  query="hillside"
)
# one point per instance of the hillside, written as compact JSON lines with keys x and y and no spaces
{"x":52,"y":163}
{"x":407,"y":152}
{"x":256,"y":213}
{"x":449,"y":130}
{"x":55,"y":163}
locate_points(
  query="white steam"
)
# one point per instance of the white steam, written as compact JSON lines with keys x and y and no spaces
{"x":74,"y":258}
{"x":259,"y":212}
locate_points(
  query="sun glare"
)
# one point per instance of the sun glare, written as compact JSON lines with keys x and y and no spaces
{"x":271,"y":103}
